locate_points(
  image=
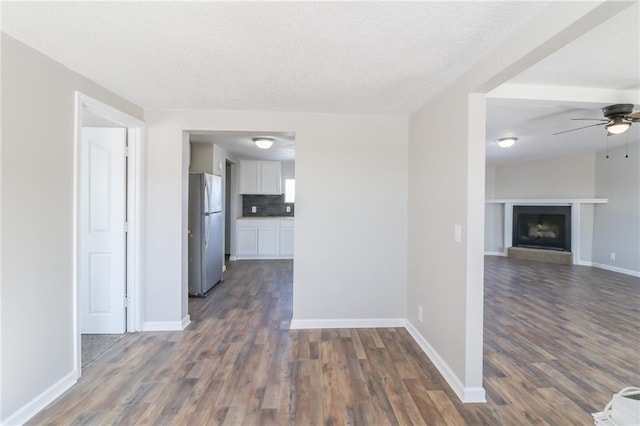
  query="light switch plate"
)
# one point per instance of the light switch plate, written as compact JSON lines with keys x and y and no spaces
{"x":457,"y":231}
{"x":254,"y":209}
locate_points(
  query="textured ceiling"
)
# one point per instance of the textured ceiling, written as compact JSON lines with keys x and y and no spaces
{"x":334,"y":57}
{"x":343,"y":57}
{"x":241,"y":143}
{"x":606,"y":57}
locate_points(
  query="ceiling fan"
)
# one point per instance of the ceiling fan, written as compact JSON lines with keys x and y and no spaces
{"x":619,"y":118}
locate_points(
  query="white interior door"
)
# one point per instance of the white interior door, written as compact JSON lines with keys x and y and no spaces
{"x":102,"y":268}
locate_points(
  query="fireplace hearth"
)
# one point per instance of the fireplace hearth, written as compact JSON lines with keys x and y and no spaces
{"x":542,"y":227}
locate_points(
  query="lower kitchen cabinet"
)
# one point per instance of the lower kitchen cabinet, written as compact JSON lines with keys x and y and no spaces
{"x":264,"y":238}
{"x":247,"y":240}
{"x":268,"y":241}
{"x":286,"y":238}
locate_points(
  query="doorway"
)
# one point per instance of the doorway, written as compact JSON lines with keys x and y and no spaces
{"x":102,"y":241}
{"x":107,"y":218}
{"x":227,"y":210}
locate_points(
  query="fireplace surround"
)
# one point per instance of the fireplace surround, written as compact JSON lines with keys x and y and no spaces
{"x":542,"y":227}
{"x":499,"y":229}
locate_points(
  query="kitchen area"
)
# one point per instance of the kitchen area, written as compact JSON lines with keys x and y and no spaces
{"x":265,"y":228}
{"x":257,"y":179}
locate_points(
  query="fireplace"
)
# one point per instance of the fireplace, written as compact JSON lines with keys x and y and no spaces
{"x":542,"y":227}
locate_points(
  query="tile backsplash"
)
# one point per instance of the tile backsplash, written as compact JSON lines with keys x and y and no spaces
{"x":266,"y":206}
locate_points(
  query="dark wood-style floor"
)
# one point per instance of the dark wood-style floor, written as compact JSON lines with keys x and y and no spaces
{"x":559,"y":340}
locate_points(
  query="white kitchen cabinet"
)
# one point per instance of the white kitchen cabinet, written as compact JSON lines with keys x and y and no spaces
{"x":270,"y":177}
{"x":286,"y":237}
{"x":267,"y":241}
{"x":247,"y":240}
{"x":260,"y":177}
{"x":249,"y":179}
{"x":266,"y":238}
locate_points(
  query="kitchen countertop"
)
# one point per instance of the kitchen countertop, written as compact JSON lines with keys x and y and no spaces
{"x":265,"y":218}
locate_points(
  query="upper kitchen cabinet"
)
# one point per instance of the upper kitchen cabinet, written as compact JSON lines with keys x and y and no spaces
{"x":249,"y":180}
{"x":260,"y":177}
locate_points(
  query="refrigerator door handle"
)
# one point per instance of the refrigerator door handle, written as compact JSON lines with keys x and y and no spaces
{"x":206,"y":219}
{"x":206,"y":202}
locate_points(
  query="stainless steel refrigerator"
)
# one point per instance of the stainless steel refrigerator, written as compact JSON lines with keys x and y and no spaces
{"x":205,"y":233}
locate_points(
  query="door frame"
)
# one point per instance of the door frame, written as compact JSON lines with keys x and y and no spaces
{"x":134,"y":184}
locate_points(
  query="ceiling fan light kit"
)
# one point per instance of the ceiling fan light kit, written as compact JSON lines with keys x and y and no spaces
{"x":263,"y":143}
{"x":618,"y":126}
{"x":506,"y":142}
{"x":618,"y":119}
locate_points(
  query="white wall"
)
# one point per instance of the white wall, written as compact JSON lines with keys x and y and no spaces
{"x":288,"y":172}
{"x":490,"y":181}
{"x":201,"y":158}
{"x":437,"y":279}
{"x":494,"y":229}
{"x":617,"y":224}
{"x":351,"y":206}
{"x":559,"y":177}
{"x":37,"y":303}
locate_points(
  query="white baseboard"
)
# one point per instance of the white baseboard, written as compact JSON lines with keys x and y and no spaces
{"x":186,"y":321}
{"x":38,"y":403}
{"x":300,"y":324}
{"x":495,"y":253}
{"x":474,"y":395}
{"x":466,"y":394}
{"x":233,"y":258}
{"x":275,"y":257}
{"x":616,"y":269}
{"x":582,"y":263}
{"x":165,"y":325}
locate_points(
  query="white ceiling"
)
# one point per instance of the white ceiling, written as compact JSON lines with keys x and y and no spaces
{"x":333,"y":57}
{"x":343,"y":57}
{"x":241,"y":144}
{"x":598,"y":69}
{"x":534,"y":122}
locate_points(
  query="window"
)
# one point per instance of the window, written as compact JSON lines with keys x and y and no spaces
{"x":289,"y":190}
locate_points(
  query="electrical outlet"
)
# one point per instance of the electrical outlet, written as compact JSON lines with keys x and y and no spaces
{"x":457,"y":233}
{"x":254,"y":209}
{"x":420,"y":314}
{"x":288,"y":209}
{"x":612,"y":256}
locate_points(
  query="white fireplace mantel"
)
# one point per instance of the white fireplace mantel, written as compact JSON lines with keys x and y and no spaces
{"x":548,"y":201}
{"x":575,"y":204}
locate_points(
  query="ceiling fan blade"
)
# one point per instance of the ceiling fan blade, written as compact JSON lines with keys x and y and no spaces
{"x":635,"y":116}
{"x":590,"y":119}
{"x":579,"y":128}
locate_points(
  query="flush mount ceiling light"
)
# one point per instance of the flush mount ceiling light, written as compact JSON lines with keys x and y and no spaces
{"x":263,"y":143}
{"x":618,"y":126}
{"x":506,"y":142}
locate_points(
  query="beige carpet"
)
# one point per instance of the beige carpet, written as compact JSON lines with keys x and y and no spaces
{"x":94,"y":345}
